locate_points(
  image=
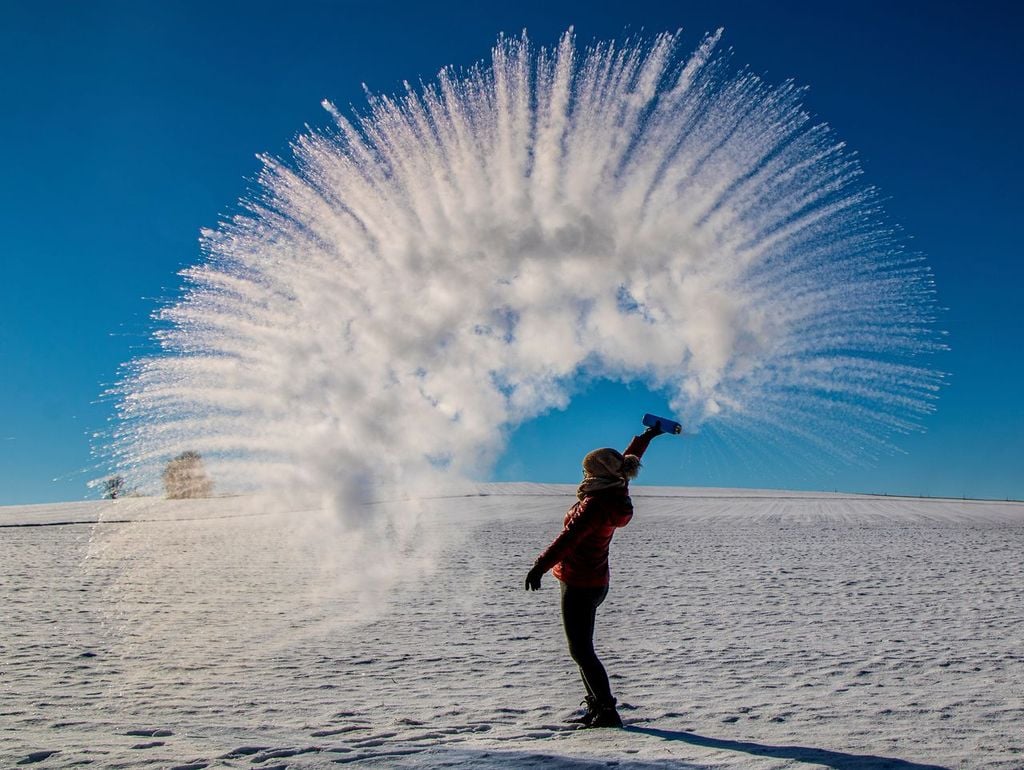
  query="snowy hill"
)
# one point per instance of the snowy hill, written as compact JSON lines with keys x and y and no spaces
{"x":744,"y":629}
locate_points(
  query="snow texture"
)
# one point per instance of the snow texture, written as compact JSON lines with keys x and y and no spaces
{"x":743,"y":630}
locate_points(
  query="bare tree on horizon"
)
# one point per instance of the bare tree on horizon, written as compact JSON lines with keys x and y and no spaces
{"x":185,"y":477}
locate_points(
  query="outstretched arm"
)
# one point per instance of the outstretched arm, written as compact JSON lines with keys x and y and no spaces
{"x":573,"y":532}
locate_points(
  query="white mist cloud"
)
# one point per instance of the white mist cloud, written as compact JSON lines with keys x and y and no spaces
{"x":414,"y":284}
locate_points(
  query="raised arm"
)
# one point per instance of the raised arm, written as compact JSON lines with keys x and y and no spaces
{"x":640,"y":443}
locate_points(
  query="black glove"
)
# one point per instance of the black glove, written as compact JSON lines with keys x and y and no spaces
{"x":533,"y":579}
{"x":654,"y":430}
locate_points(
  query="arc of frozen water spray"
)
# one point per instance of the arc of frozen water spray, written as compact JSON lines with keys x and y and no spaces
{"x":422,"y":277}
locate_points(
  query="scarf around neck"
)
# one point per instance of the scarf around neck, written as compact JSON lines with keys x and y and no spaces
{"x":592,"y":484}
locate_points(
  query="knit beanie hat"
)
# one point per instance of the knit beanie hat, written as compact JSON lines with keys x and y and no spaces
{"x":610,"y":463}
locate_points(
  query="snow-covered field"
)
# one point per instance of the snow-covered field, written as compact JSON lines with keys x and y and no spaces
{"x":743,"y":630}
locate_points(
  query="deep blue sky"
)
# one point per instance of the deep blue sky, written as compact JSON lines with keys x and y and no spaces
{"x":126,"y":127}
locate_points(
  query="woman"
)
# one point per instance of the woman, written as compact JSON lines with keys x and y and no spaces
{"x":579,"y":556}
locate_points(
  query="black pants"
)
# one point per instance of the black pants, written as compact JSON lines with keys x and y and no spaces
{"x":579,"y":608}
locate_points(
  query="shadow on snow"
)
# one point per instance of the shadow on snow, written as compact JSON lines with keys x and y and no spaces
{"x":835,"y":759}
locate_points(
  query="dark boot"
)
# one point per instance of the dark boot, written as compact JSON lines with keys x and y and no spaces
{"x":606,"y":716}
{"x":588,"y":716}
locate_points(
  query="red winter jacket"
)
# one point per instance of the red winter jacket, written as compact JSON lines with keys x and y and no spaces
{"x":579,"y":554}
